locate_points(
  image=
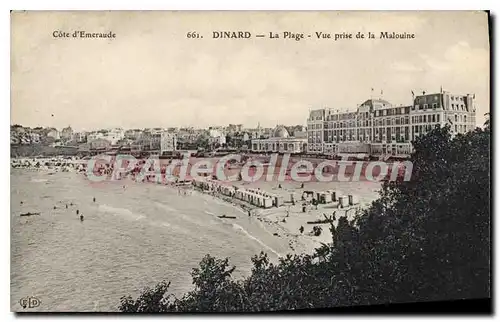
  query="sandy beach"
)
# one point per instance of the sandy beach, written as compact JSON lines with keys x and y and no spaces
{"x":285,"y":221}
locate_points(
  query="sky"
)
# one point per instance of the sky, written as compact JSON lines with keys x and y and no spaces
{"x":152,"y":75}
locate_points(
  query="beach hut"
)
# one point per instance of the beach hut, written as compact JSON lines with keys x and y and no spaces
{"x":325,"y":197}
{"x":261,"y":201}
{"x":278,"y":200}
{"x":343,"y":201}
{"x":268,"y":202}
{"x":353,"y":200}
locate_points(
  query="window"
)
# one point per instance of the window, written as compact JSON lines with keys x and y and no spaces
{"x":425,"y":106}
{"x":456,"y":128}
{"x":434,"y":106}
{"x":452,"y":106}
{"x":420,"y":119}
{"x":417,"y":106}
{"x":433,"y":118}
{"x":456,"y":118}
{"x":437,"y":118}
{"x":465,"y":118}
{"x":425,"y":118}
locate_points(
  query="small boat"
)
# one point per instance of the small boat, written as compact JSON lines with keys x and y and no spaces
{"x":227,"y":217}
{"x":321,"y":221}
{"x":30,"y":214}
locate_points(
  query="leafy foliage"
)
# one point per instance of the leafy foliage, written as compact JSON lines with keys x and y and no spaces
{"x":425,"y":239}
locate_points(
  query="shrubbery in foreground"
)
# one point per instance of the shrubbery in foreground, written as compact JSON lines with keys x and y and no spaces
{"x":426,"y":239}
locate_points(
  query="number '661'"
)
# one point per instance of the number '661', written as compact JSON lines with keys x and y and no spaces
{"x":193,"y":34}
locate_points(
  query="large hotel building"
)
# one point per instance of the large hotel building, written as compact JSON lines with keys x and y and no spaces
{"x":380,"y":128}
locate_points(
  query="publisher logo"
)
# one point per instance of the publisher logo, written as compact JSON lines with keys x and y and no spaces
{"x":29,"y":302}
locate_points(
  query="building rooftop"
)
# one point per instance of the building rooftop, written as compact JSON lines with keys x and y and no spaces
{"x":280,"y":132}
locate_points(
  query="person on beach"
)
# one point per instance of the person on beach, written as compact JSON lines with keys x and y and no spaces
{"x":94,"y":199}
{"x":81,"y":217}
{"x":66,"y":206}
{"x":301,"y":229}
{"x":55,"y":207}
{"x":21,"y":202}
{"x":77,"y":212}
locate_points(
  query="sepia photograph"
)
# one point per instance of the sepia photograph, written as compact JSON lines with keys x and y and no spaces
{"x":250,"y":161}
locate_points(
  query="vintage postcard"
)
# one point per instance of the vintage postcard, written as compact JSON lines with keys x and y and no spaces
{"x":237,"y":161}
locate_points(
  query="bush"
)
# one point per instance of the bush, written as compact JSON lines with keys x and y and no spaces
{"x":426,"y":239}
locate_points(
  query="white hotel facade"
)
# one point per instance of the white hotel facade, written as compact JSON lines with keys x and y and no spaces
{"x":379,"y":128}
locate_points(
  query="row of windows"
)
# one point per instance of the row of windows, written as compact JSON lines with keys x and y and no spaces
{"x":400,"y":133}
{"x":421,"y":128}
{"x":426,"y":106}
{"x":458,"y":107}
{"x":392,"y":121}
{"x":426,"y":118}
{"x":391,"y":111}
{"x":461,"y":118}
{"x":336,"y":117}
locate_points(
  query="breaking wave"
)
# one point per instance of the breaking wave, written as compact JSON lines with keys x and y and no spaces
{"x":120,"y":212}
{"x":239,"y":228}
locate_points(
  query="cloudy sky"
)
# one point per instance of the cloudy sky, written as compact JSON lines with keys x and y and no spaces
{"x":152,"y":75}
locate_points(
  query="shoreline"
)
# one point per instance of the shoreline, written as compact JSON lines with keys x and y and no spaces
{"x":282,"y":222}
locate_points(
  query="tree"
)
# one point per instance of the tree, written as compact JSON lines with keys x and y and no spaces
{"x":426,"y":239}
{"x":487,"y":122}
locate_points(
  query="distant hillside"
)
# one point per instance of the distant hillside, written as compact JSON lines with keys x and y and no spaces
{"x":33,"y":150}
